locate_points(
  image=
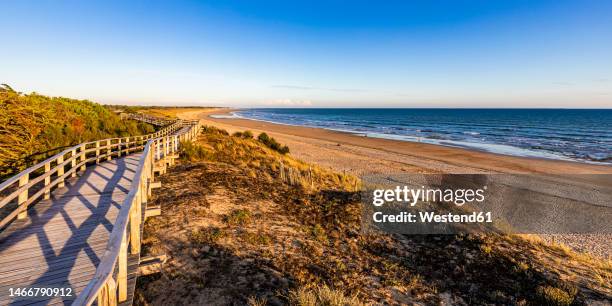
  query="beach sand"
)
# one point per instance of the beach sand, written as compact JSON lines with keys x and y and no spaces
{"x":364,"y":155}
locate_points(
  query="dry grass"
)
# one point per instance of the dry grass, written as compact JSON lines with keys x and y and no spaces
{"x":322,"y":296}
{"x":236,"y":233}
{"x":556,"y":296}
{"x":169,"y":112}
{"x":250,"y":153}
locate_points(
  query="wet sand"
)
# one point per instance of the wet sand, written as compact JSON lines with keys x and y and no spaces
{"x":365,"y":155}
{"x":362,"y":155}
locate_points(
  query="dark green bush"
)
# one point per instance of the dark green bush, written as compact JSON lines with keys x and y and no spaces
{"x":271,"y":143}
{"x":246,"y":134}
{"x":34,"y":127}
{"x":214,"y":130}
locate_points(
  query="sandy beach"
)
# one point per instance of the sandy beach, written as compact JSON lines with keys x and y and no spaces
{"x":362,"y":155}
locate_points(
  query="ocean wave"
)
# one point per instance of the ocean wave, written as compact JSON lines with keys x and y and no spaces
{"x":224,"y":116}
{"x":530,"y":136}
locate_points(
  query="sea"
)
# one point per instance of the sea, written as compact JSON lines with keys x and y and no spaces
{"x":583,"y":135}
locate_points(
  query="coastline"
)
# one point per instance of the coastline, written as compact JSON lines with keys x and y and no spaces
{"x":360,"y":155}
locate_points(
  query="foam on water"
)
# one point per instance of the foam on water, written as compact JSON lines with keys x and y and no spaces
{"x":578,"y":135}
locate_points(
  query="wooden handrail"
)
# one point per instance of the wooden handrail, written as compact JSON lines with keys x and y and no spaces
{"x":19,"y":186}
{"x":108,"y":287}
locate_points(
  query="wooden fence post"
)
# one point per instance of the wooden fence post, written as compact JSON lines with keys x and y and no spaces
{"x":119,"y":147}
{"x":135,"y":224}
{"x":108,"y":294}
{"x":122,"y":273}
{"x":310,"y":177}
{"x":23,"y":196}
{"x":47,"y":181}
{"x":109,"y":149}
{"x":73,"y":163}
{"x":157,"y":150}
{"x":97,"y":152}
{"x":60,"y":170}
{"x":83,"y":157}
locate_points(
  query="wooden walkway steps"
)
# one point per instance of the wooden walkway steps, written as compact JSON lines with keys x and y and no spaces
{"x":86,"y":235}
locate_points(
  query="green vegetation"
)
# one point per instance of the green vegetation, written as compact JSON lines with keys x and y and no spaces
{"x":192,"y":152}
{"x":271,"y":143}
{"x":207,"y":235}
{"x":261,"y":160}
{"x":34,"y":127}
{"x":321,"y":295}
{"x":238,"y":217}
{"x":246,"y":134}
{"x":318,"y":232}
{"x":556,"y":296}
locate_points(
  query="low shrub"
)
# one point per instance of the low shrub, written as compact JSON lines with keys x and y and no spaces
{"x":246,"y":134}
{"x":207,"y":235}
{"x":553,"y":296}
{"x":214,"y":130}
{"x":322,"y":295}
{"x":238,"y":216}
{"x":192,"y":152}
{"x":271,"y":143}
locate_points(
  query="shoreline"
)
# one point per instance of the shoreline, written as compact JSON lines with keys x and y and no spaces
{"x":427,"y":141}
{"x":346,"y":152}
{"x":363,"y":155}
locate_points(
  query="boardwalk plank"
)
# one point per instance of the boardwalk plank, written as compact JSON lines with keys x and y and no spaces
{"x":74,"y":224}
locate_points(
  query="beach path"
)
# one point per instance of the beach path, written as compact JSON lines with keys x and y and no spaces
{"x":62,"y":240}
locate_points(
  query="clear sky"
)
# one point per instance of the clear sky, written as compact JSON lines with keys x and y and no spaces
{"x":313,"y":53}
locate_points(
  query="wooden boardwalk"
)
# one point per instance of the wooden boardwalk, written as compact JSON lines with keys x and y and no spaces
{"x":62,"y":240}
{"x":78,"y":224}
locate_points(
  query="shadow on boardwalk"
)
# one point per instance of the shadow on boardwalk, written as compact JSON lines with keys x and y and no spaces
{"x":62,"y":240}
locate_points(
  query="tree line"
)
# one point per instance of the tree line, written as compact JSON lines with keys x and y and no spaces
{"x":34,"y":127}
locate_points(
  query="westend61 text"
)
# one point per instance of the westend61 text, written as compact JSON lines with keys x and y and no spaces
{"x":429,"y":217}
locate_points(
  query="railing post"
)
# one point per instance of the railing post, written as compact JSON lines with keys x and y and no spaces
{"x":166,"y":145}
{"x":127,"y":145}
{"x":73,"y":163}
{"x":60,"y":170}
{"x":135,"y":224}
{"x":23,"y":196}
{"x":119,"y":147}
{"x":83,"y":157}
{"x":122,"y":273}
{"x":109,"y":149}
{"x":143,"y":190}
{"x":157,"y":150}
{"x":97,"y":152}
{"x":47,"y":181}
{"x":108,"y":295}
{"x":151,"y":171}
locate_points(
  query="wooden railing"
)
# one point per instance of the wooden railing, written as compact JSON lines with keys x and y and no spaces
{"x":109,"y":285}
{"x":149,"y":119}
{"x":38,"y":181}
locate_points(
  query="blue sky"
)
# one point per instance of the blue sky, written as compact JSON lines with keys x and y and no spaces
{"x":313,"y":53}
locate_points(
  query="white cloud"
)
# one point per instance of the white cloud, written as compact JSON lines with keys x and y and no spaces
{"x":288,"y":102}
